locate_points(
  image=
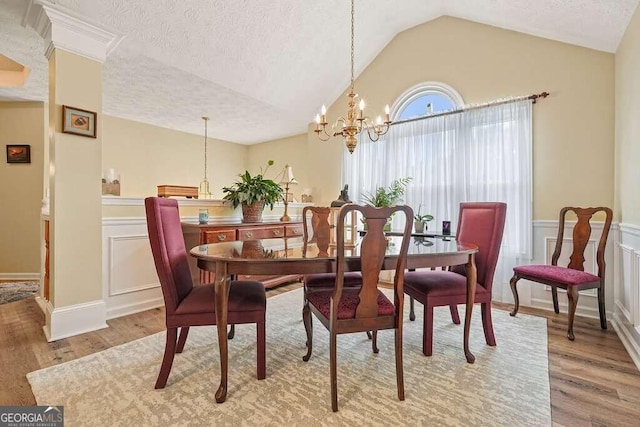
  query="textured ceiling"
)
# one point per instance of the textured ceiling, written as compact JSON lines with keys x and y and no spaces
{"x":260,"y":69}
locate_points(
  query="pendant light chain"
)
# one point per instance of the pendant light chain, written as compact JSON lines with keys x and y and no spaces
{"x":352,"y":42}
{"x":206,"y":119}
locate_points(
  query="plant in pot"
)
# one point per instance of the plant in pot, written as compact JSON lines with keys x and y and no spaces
{"x":253,"y":193}
{"x":420,"y":221}
{"x":387,"y":196}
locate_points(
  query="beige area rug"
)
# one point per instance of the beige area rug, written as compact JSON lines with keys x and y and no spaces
{"x":15,"y":291}
{"x":508,"y":385}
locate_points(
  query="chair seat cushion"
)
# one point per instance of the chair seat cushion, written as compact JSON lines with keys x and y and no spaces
{"x":348,"y":303}
{"x":564,"y":275}
{"x":438,"y":283}
{"x":244,"y":296}
{"x":328,"y":280}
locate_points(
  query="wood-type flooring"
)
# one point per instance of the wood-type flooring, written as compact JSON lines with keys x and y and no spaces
{"x":593,"y":380}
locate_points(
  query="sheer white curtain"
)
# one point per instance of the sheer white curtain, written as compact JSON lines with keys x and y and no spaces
{"x":478,"y":155}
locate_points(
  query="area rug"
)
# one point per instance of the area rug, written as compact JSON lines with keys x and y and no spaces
{"x":508,"y":385}
{"x":15,"y":291}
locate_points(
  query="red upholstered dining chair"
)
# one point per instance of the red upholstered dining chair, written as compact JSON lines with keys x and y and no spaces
{"x":346,"y":310}
{"x":187,"y":305}
{"x":481,"y":224}
{"x":572,"y":278}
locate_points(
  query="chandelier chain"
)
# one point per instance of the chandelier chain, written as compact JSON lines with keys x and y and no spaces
{"x":352,"y":42}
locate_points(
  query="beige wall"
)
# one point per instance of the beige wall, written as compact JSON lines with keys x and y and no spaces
{"x":573,"y":128}
{"x":21,"y":188}
{"x":146,"y":156}
{"x":628,"y":124}
{"x":290,"y":151}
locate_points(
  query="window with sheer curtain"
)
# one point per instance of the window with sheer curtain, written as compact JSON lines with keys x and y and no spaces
{"x":478,"y":155}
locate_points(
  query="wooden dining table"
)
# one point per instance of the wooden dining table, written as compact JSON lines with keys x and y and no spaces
{"x":291,"y":255}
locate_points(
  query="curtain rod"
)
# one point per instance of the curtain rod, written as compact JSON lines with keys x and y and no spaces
{"x":533,"y":97}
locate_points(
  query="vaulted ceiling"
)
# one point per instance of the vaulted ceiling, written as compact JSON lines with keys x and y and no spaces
{"x":260,"y":69}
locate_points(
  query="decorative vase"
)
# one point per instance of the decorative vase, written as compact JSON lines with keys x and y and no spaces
{"x":252,"y":212}
{"x":419,"y":226}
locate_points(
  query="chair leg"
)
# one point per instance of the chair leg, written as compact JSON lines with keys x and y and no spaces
{"x":167,"y":360}
{"x":374,"y":342}
{"x":455,"y":317}
{"x":232,"y":332}
{"x":333,"y":368}
{"x":369,"y":335}
{"x":262,"y":351}
{"x":308,"y":327}
{"x":427,"y":331}
{"x":554,"y":294}
{"x":412,"y":313}
{"x":184,"y":331}
{"x":601,"y":308}
{"x":572,"y":295}
{"x":399,"y":367}
{"x":514,"y":290}
{"x":487,"y":324}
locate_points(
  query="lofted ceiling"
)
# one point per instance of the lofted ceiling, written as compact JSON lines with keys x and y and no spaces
{"x":260,"y":69}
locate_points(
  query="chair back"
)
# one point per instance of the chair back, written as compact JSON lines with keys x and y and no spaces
{"x":373,"y":248}
{"x":320,"y":227}
{"x":482,"y":224}
{"x":169,"y":251}
{"x":581,"y":235}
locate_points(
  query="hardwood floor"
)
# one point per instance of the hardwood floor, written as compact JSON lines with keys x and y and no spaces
{"x":593,"y":380}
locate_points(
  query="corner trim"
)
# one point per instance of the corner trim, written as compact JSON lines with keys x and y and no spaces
{"x":64,"y":322}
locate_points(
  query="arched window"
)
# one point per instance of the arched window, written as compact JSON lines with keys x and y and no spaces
{"x":424,"y":99}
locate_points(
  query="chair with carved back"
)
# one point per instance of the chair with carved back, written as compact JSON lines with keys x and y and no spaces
{"x":572,"y":278}
{"x":481,"y":224}
{"x":365,"y":308}
{"x":320,"y":234}
{"x":187,"y":305}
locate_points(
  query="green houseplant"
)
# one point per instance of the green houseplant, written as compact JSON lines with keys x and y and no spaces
{"x":420,"y":221}
{"x":387,"y":196}
{"x":253,"y":193}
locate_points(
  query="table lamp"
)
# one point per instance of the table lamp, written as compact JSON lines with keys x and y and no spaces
{"x":287,"y":180}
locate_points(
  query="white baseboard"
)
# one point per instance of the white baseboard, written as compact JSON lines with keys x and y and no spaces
{"x":75,"y":319}
{"x":17,"y":277}
{"x":625,"y":333}
{"x":136,"y":307}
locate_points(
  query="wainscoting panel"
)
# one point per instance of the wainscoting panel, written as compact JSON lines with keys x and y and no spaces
{"x":626,"y":316}
{"x":130,"y":282}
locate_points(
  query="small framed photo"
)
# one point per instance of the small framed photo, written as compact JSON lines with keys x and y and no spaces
{"x":18,"y":154}
{"x":78,"y":122}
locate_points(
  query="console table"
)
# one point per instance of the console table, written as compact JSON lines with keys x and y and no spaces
{"x":202,"y":234}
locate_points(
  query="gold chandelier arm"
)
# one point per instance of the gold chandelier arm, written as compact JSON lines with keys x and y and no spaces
{"x":322,"y":134}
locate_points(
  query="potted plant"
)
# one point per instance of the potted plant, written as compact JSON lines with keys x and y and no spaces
{"x":253,"y":193}
{"x":420,"y":221}
{"x":387,"y":196}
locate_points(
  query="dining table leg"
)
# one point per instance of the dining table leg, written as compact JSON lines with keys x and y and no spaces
{"x":471,"y":273}
{"x":222,"y":283}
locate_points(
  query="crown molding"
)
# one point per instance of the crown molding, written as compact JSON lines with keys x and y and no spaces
{"x":63,"y":29}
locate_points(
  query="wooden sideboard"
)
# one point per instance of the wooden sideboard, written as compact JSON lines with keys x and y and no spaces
{"x":200,"y":234}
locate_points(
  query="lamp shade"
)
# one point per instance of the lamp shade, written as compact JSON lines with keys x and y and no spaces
{"x":287,"y":176}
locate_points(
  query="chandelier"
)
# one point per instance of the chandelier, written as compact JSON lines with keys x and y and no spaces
{"x":354,"y":122}
{"x":203,"y":190}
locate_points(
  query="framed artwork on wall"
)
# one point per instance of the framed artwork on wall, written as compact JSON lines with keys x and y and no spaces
{"x":18,"y":153}
{"x":78,"y":121}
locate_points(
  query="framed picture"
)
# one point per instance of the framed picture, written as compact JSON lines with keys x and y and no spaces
{"x":78,"y":122}
{"x":18,"y":154}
